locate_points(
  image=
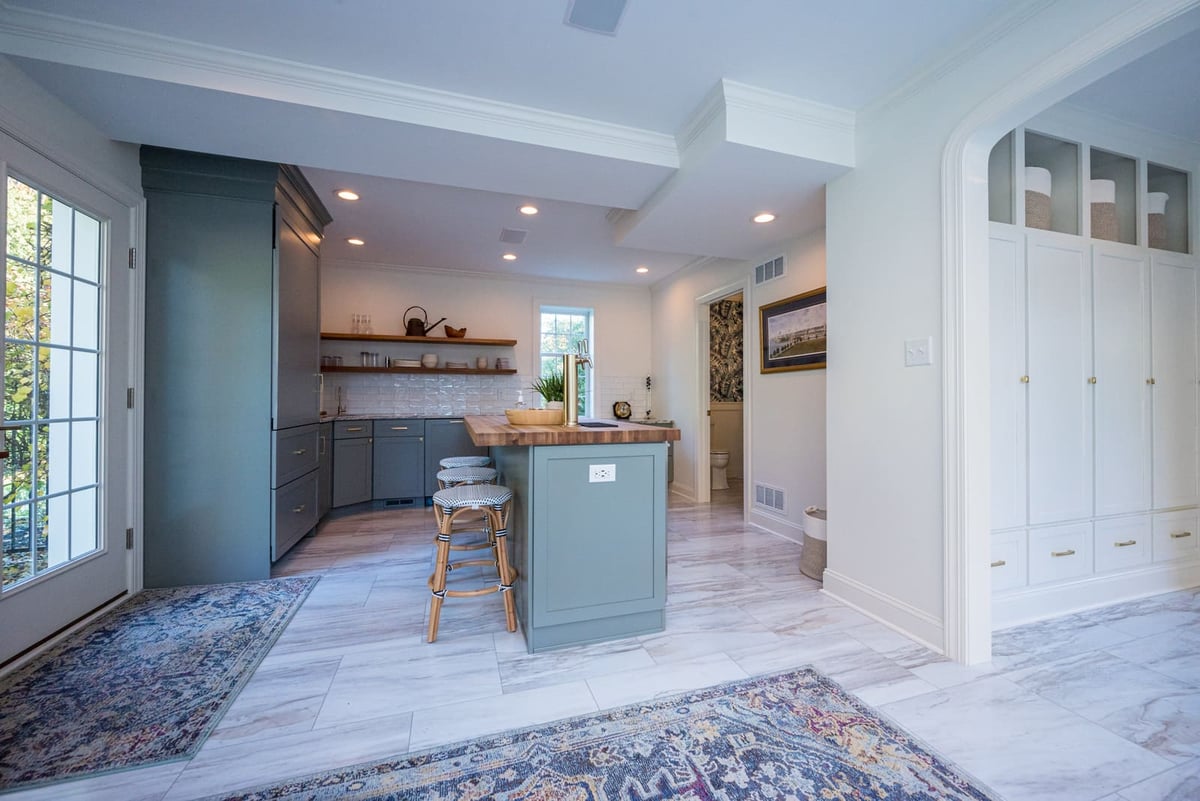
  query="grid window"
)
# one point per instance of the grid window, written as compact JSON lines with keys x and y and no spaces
{"x":562,"y":328}
{"x":51,"y":383}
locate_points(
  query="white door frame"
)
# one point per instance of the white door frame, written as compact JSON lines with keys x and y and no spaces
{"x":703,"y":474}
{"x":966,"y":446}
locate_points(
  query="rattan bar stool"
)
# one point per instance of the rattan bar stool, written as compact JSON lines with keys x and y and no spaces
{"x":465,"y":461}
{"x":495,"y":501}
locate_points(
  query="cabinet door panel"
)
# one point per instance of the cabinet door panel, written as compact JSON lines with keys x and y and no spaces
{"x":1006,"y":267}
{"x":445,"y":438}
{"x":325,"y":469}
{"x":1121,"y":332}
{"x":1060,"y":553}
{"x":297,"y":331}
{"x":1060,"y":408}
{"x":399,"y":467}
{"x":1173,"y":342}
{"x":351,"y":471}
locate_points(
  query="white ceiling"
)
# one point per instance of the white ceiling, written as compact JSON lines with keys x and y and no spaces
{"x":447,"y":115}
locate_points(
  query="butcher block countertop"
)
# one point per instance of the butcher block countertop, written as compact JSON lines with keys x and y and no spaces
{"x":495,"y":430}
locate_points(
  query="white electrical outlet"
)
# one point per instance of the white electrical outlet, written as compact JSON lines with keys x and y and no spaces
{"x":598,"y":473}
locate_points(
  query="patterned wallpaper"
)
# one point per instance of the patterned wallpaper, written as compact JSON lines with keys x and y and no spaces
{"x":725,"y":350}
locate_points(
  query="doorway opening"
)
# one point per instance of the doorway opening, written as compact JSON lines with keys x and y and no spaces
{"x":726,"y":400}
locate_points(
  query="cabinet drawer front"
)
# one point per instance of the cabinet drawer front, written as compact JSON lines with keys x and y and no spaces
{"x":352,"y":429}
{"x":297,"y":451}
{"x":1176,"y":535}
{"x":399,"y":428}
{"x":1060,"y":552}
{"x":295,"y":513}
{"x":1122,"y":543}
{"x":1010,"y":560}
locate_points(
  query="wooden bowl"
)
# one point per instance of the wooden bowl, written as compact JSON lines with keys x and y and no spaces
{"x":535,"y":417}
{"x":455,"y":333}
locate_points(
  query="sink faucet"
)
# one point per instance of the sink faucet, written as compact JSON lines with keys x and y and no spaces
{"x":571,"y":364}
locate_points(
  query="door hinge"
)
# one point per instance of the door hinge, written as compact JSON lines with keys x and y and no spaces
{"x":129,"y":398}
{"x":129,"y":539}
{"x":132,"y":258}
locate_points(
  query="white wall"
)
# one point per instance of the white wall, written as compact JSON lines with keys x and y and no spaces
{"x":784,"y":412}
{"x":499,"y":307}
{"x":885,"y":263}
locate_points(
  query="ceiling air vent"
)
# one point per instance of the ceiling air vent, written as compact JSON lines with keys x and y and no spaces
{"x":513,"y":236}
{"x":597,"y":16}
{"x":768,"y":270}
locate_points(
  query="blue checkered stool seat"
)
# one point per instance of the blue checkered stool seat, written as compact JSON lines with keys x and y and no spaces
{"x":495,"y":501}
{"x":465,"y":461}
{"x":453,"y":476}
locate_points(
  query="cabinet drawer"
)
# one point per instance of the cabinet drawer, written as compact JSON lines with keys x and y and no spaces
{"x":297,"y":451}
{"x":295,"y":513}
{"x":1122,"y":543}
{"x":1058,"y":553}
{"x":400,"y":428}
{"x":351,"y":429}
{"x":1176,"y":535}
{"x":1010,"y":560}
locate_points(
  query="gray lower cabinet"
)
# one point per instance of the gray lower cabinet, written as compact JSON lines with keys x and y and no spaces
{"x":294,"y":488}
{"x":352,"y":467}
{"x":324,"y":470}
{"x":446,"y":437}
{"x":399,"y":460}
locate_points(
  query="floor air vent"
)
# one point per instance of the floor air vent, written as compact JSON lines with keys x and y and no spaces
{"x":768,"y":270}
{"x":769,"y":497}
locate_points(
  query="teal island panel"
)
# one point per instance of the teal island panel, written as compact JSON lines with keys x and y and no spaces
{"x":592,"y":555}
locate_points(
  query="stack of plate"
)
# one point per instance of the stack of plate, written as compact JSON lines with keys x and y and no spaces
{"x":456,"y":365}
{"x":502,"y":363}
{"x":406,"y":362}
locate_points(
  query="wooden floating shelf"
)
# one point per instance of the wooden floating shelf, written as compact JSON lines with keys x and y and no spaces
{"x":467,"y":370}
{"x":424,"y":340}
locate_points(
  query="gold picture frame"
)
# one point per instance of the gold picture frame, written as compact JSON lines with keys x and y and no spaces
{"x":792,"y":333}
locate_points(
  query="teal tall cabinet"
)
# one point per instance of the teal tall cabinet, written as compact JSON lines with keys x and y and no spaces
{"x":232,"y":406}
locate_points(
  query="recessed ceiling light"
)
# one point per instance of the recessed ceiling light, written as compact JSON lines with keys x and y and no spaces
{"x":529,"y":209}
{"x":763,"y":217}
{"x":509,"y":257}
{"x":354,"y":240}
{"x":346,"y":194}
{"x":642,"y":270}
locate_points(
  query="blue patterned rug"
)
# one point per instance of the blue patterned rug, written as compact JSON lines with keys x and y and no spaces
{"x":794,"y":735}
{"x":143,"y":684}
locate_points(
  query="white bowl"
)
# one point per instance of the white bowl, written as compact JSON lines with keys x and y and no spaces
{"x":429,"y":360}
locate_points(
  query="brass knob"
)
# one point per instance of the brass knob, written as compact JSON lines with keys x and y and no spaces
{"x":1150,"y":381}
{"x":1024,"y":379}
{"x":1092,"y":380}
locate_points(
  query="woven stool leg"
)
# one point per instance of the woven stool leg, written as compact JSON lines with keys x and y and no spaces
{"x":498,"y":516}
{"x":437,"y":581}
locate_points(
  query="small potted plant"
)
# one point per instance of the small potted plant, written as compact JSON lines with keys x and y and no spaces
{"x":550,"y":387}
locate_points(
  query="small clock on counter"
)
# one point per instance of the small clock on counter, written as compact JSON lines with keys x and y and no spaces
{"x":622,"y":410}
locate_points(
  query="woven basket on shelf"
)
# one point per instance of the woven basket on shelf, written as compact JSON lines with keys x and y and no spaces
{"x":1104,"y":221}
{"x":1157,"y":230}
{"x":1037,"y":210}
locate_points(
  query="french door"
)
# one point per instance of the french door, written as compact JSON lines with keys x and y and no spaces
{"x":67,"y":429}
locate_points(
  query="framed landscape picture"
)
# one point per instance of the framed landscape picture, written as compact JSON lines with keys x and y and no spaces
{"x":792,"y":333}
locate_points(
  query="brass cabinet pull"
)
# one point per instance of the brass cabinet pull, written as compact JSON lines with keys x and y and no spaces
{"x":354,"y":428}
{"x":1024,"y":379}
{"x":300,"y":452}
{"x":399,"y":428}
{"x":999,"y":563}
{"x":1150,"y":381}
{"x":299,"y":509}
{"x":1092,"y":380}
{"x":1178,"y":535}
{"x":1124,"y":544}
{"x":1068,"y":552}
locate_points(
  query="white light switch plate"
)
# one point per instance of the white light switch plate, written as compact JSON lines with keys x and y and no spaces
{"x":918,"y":352}
{"x":598,"y":473}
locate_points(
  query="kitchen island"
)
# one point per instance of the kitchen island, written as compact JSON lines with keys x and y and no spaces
{"x":588,"y":529}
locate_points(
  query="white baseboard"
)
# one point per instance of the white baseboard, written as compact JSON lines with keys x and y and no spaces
{"x":686,"y":493}
{"x":776,"y":525}
{"x":1038,"y":603}
{"x":891,"y":612}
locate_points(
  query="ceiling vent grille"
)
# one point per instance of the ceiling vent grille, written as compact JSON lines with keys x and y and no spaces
{"x":768,"y":497}
{"x":513,"y":236}
{"x":768,"y":270}
{"x":597,"y":16}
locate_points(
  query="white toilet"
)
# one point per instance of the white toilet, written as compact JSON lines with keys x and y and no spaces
{"x":718,"y":461}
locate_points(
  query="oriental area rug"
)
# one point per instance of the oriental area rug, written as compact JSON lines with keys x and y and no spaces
{"x":142,"y":684}
{"x":790,"y":736}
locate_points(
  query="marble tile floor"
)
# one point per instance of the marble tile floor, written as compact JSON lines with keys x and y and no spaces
{"x":1099,"y":706}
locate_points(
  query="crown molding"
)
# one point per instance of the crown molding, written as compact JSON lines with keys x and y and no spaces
{"x":788,"y":107}
{"x":451,"y":272}
{"x":710,"y":110}
{"x":44,"y":36}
